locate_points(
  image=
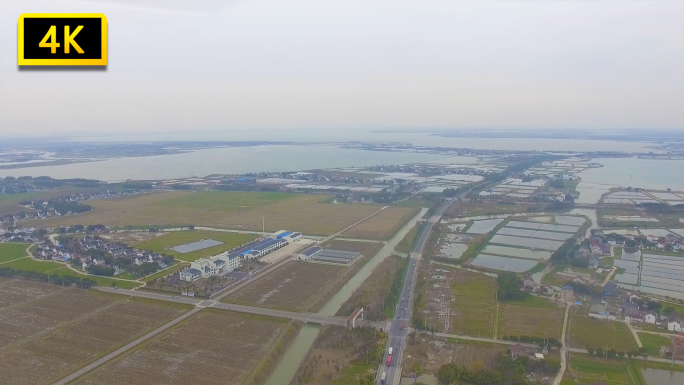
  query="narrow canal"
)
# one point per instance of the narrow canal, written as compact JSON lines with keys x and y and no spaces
{"x":293,"y":357}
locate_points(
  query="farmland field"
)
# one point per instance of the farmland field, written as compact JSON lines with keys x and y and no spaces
{"x":33,"y":265}
{"x":584,"y":369}
{"x":175,"y":238}
{"x":71,"y":345}
{"x":530,"y":321}
{"x":474,"y":304}
{"x":294,"y":286}
{"x":431,"y":356}
{"x":18,"y":291}
{"x":18,"y":323}
{"x":50,"y":267}
{"x":11,"y":251}
{"x":9,"y":203}
{"x":468,"y":299}
{"x":227,"y":209}
{"x":653,"y":342}
{"x":600,"y":334}
{"x":211,"y":347}
{"x":384,"y":224}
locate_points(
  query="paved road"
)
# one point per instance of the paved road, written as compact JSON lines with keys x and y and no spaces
{"x":564,"y":348}
{"x":398,"y":328}
{"x":201,"y":303}
{"x":122,"y":349}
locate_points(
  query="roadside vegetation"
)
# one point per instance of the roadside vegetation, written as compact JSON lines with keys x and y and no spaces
{"x":408,"y":243}
{"x":342,"y":357}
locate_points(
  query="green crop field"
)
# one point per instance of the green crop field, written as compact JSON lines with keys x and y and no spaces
{"x":100,"y":281}
{"x":586,"y":331}
{"x":12,"y":251}
{"x":474,"y":304}
{"x":175,"y":238}
{"x":653,"y":342}
{"x":535,"y":301}
{"x":225,"y":200}
{"x":29,"y":264}
{"x":531,"y":321}
{"x":585,"y":370}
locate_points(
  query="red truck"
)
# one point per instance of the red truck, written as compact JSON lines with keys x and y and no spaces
{"x":389,"y":361}
{"x":401,"y":326}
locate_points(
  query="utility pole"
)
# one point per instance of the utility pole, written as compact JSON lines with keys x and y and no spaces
{"x":263,"y":224}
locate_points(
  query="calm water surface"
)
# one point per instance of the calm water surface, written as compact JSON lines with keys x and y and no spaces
{"x":235,"y":160}
{"x":662,"y":377}
{"x":630,"y":172}
{"x":419,"y":139}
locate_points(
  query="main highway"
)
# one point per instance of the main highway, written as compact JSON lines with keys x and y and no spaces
{"x":398,"y":327}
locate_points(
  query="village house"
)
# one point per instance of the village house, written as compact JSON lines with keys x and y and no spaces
{"x":650,"y":318}
{"x":566,"y":294}
{"x":528,"y":283}
{"x":674,"y":324}
{"x":631,"y":312}
{"x":518,"y":350}
{"x":610,"y":289}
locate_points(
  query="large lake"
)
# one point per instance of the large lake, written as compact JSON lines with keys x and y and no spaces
{"x":630,"y":172}
{"x":419,"y":139}
{"x":232,"y":160}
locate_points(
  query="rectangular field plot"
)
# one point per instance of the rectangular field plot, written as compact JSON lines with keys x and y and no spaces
{"x":543,"y":244}
{"x":12,"y":251}
{"x":666,"y":196}
{"x":483,"y":227}
{"x":531,"y":321}
{"x":517,"y":252}
{"x":294,"y":286}
{"x":59,"y":353}
{"x":559,"y":228}
{"x":529,"y":233}
{"x":655,"y":232}
{"x":20,"y":323}
{"x":18,"y":291}
{"x":472,"y":311}
{"x":299,"y":212}
{"x":588,"y":370}
{"x":453,"y":250}
{"x":383,"y":224}
{"x":663,"y":272}
{"x":211,"y":347}
{"x":631,"y":279}
{"x":524,"y":225}
{"x":587,"y":331}
{"x":516,"y":232}
{"x":570,"y":220}
{"x":495,"y":262}
{"x":225,"y":200}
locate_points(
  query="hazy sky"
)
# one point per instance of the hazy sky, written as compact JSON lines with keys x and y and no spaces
{"x":209,"y":65}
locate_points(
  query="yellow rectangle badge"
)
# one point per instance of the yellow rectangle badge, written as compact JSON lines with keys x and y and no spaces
{"x":70,"y":39}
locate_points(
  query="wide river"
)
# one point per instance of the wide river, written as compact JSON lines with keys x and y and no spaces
{"x":293,"y":357}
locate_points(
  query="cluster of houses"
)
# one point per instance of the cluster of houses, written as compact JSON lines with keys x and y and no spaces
{"x":93,"y":250}
{"x":231,"y":260}
{"x":651,"y":241}
{"x":22,"y":234}
{"x":616,"y":305}
{"x":60,"y":206}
